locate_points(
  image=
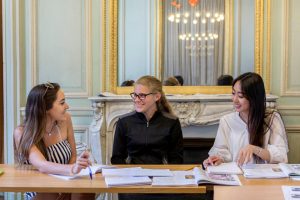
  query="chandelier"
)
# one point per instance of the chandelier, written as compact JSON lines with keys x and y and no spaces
{"x":196,"y":19}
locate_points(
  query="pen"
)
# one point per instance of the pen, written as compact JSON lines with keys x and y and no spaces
{"x":90,"y":172}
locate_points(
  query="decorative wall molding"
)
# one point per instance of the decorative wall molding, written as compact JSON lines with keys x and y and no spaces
{"x":293,"y":129}
{"x":289,"y":110}
{"x":82,"y":134}
{"x":86,"y":86}
{"x":285,"y":90}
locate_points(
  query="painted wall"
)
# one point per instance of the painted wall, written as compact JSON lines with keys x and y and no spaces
{"x":285,"y":61}
{"x":60,"y":41}
{"x":56,"y":41}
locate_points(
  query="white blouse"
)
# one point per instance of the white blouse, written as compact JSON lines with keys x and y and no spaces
{"x":233,"y":135}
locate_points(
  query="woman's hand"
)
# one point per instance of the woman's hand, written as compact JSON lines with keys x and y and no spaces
{"x":246,"y":154}
{"x":82,"y":162}
{"x":212,"y":160}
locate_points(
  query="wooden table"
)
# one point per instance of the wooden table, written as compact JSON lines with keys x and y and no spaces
{"x":23,"y":180}
{"x":272,"y":192}
{"x":251,"y":189}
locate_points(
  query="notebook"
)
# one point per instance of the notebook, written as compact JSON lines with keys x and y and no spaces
{"x":84,"y":172}
{"x":225,"y":168}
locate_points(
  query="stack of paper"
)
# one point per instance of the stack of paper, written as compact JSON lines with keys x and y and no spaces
{"x":126,"y":181}
{"x":263,"y":171}
{"x":136,"y":171}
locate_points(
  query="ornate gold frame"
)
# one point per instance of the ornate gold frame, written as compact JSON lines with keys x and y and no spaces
{"x":110,"y":50}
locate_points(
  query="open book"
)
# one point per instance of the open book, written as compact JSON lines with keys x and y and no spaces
{"x":85,"y":172}
{"x":225,"y":168}
{"x":263,"y":171}
{"x":195,"y":177}
{"x":292,"y":170}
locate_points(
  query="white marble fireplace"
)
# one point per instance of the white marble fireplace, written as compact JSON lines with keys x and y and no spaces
{"x":192,"y":110}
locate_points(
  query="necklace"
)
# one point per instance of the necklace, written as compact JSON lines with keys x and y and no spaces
{"x":50,"y":132}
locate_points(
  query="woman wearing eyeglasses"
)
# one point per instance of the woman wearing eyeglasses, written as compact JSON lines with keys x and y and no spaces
{"x":152,"y":133}
{"x":46,"y":138}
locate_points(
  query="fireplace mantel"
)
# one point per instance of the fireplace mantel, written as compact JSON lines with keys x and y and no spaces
{"x":192,"y":110}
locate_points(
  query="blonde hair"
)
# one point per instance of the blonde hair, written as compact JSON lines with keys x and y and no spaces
{"x":155,"y":86}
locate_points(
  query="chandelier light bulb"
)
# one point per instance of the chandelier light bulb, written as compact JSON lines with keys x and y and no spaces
{"x":177,"y":15}
{"x":208,"y":14}
{"x":185,"y":21}
{"x":195,"y":21}
{"x":186,"y":14}
{"x":206,"y":38}
{"x":203,"y":34}
{"x":216,"y":15}
{"x":197,"y":14}
{"x":212,"y":20}
{"x":171,"y":18}
{"x":177,"y":20}
{"x":222,"y":17}
{"x":196,"y":35}
{"x":203,"y":21}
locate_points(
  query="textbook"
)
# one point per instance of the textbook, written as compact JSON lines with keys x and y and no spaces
{"x":291,"y":170}
{"x":263,"y":171}
{"x":84,"y":172}
{"x":195,"y":177}
{"x":112,"y":181}
{"x":225,"y":168}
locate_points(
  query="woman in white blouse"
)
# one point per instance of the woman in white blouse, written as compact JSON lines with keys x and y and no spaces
{"x":251,"y":134}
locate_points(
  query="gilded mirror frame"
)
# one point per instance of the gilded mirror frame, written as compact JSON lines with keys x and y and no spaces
{"x":110,"y":50}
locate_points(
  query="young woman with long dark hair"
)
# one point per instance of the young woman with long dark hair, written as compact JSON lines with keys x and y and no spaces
{"x":46,"y":138}
{"x":253,"y":133}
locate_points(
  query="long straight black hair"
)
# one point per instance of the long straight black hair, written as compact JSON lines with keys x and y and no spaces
{"x":253,"y":90}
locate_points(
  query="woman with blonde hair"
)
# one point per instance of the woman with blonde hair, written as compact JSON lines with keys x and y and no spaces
{"x":152,"y":133}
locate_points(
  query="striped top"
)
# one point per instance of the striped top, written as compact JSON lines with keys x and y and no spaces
{"x":57,"y":153}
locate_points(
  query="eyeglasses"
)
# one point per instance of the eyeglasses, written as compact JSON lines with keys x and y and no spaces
{"x":141,"y":96}
{"x":48,"y":85}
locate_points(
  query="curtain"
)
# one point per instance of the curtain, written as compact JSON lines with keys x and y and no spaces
{"x":194,"y":40}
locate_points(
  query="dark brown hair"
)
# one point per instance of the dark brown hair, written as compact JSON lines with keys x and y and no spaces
{"x":40,"y":99}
